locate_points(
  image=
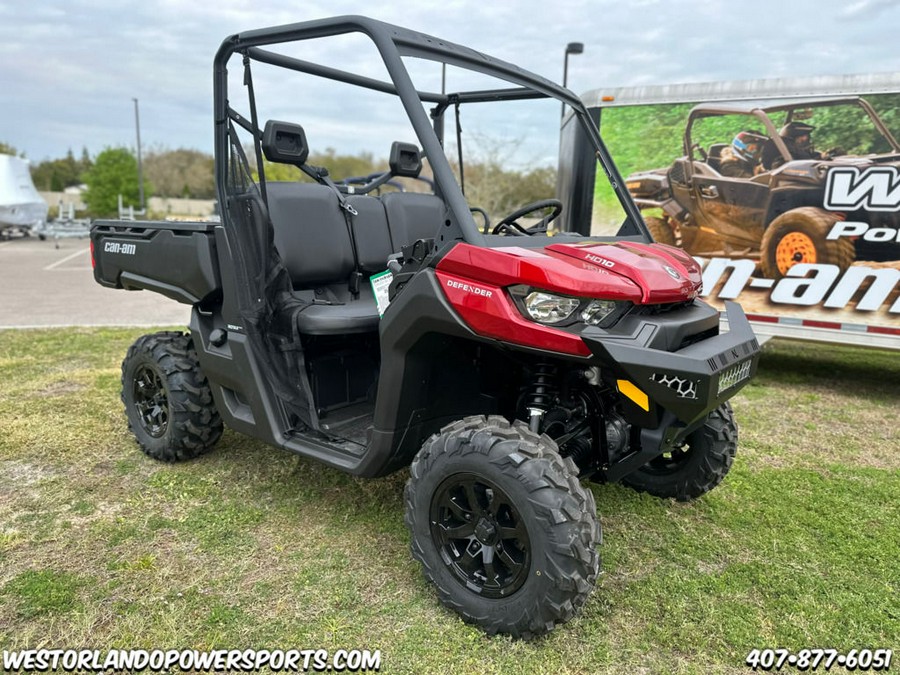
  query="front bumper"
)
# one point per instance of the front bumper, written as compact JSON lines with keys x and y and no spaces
{"x":669,"y":392}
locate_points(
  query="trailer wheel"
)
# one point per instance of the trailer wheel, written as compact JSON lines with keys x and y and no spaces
{"x":697,"y":466}
{"x":168,"y":403}
{"x":800,"y":236}
{"x":502,"y":526}
{"x":659,"y":228}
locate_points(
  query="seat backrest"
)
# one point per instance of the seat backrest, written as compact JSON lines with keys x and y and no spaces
{"x":310,"y":233}
{"x":770,"y":157}
{"x":715,"y":150}
{"x":714,"y":158}
{"x":412,"y":216}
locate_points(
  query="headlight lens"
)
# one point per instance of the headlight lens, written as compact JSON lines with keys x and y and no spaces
{"x":548,"y":308}
{"x":596,"y":311}
{"x":561,"y":310}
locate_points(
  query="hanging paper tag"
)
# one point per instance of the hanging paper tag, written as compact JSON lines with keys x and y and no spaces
{"x":380,"y":284}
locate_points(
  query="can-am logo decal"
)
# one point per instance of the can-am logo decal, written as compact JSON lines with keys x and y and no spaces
{"x":118,"y":247}
{"x":874,"y":189}
{"x":807,"y":285}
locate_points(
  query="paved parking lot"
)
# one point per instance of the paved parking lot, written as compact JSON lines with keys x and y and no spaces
{"x":42,"y":286}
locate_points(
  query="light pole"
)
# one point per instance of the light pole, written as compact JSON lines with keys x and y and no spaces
{"x":137,"y":126}
{"x":571,"y":48}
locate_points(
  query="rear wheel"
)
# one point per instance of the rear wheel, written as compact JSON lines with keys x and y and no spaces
{"x":801,"y":236}
{"x":168,"y":403}
{"x":502,"y":526}
{"x":697,"y":466}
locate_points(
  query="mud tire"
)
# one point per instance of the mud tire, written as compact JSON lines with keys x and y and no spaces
{"x":800,"y":235}
{"x":546,"y":521}
{"x":695,"y":468}
{"x":168,"y":402}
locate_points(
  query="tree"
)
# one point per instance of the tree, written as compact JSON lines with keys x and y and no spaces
{"x":494,"y":181}
{"x":84,"y":164}
{"x":114,"y":173}
{"x":339,"y":166}
{"x":180,"y":173}
{"x":6,"y":149}
{"x":58,"y":174}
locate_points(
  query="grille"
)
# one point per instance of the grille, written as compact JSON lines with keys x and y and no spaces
{"x":662,"y":308}
{"x":683,"y":387}
{"x":734,"y":375}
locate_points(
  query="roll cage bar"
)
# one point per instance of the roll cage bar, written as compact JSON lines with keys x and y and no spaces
{"x":762,"y":111}
{"x":393,"y":43}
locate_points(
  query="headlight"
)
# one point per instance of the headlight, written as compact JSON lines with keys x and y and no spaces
{"x":562,"y":310}
{"x":549,"y":308}
{"x":596,"y":311}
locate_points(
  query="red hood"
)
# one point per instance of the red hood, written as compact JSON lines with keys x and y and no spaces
{"x":664,"y":273}
{"x":641,"y":273}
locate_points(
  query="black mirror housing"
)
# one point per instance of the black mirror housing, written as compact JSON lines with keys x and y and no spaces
{"x":405,"y":160}
{"x":285,"y":143}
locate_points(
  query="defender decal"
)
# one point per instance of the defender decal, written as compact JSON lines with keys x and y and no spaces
{"x":468,"y":288}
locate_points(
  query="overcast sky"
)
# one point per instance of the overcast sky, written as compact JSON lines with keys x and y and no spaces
{"x":69,"y":69}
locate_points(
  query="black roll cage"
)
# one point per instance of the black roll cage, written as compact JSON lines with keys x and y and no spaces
{"x":393,"y":43}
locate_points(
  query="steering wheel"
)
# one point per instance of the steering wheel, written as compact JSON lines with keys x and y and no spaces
{"x":509,"y":225}
{"x":484,"y":214}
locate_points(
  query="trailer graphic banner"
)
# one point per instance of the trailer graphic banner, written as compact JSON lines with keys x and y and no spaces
{"x":792,"y":207}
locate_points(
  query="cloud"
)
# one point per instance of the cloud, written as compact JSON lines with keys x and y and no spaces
{"x":71,"y":69}
{"x":867,"y":9}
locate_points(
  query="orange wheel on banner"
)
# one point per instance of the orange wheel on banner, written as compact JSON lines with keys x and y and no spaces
{"x":801,"y":236}
{"x":794,"y":247}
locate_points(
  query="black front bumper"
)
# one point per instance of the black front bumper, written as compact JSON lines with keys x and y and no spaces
{"x":668,"y":391}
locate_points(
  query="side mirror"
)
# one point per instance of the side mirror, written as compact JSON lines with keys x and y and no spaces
{"x":285,"y":143}
{"x":405,"y":160}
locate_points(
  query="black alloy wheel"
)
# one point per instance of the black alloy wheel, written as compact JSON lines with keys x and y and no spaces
{"x":151,"y":401}
{"x":481,"y":535}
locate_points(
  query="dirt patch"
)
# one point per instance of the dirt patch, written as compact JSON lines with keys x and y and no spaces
{"x":16,"y":473}
{"x":59,"y":389}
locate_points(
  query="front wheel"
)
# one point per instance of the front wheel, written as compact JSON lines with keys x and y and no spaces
{"x":695,"y":467}
{"x":502,"y":526}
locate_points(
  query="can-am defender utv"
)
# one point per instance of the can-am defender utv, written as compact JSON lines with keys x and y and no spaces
{"x":501,"y":365}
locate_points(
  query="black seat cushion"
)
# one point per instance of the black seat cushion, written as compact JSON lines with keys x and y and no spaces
{"x":358,"y":315}
{"x":355,"y":317}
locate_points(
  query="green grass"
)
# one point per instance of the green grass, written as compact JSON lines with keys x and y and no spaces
{"x":250,"y":546}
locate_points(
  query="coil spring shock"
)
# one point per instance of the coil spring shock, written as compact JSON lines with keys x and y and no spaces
{"x":541,"y":394}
